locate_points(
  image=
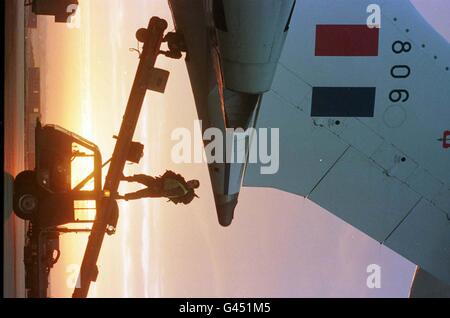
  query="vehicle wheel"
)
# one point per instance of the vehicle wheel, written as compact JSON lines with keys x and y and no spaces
{"x":25,"y":199}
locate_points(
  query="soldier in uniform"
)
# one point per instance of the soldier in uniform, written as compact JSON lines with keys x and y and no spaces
{"x":170,"y":185}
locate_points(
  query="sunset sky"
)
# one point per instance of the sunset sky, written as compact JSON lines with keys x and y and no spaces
{"x":279,"y":245}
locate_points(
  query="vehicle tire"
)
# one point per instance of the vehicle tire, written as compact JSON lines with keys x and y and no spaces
{"x":25,"y":198}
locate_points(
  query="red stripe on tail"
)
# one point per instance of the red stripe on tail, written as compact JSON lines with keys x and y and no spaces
{"x":346,"y":40}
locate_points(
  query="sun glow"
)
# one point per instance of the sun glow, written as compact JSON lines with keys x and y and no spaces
{"x":88,"y":75}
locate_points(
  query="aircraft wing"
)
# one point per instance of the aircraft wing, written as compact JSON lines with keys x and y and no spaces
{"x":363,"y":116}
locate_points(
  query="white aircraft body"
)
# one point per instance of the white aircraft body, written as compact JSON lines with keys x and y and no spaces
{"x":360,"y":93}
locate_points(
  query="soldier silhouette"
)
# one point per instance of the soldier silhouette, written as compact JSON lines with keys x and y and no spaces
{"x":170,"y":185}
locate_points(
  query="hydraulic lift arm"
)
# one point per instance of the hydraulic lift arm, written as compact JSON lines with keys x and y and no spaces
{"x":152,"y":38}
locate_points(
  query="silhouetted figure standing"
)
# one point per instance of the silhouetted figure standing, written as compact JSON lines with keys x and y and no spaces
{"x":170,"y":185}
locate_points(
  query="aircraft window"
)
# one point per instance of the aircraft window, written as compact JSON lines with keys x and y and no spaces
{"x":219,"y":15}
{"x":290,"y":16}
